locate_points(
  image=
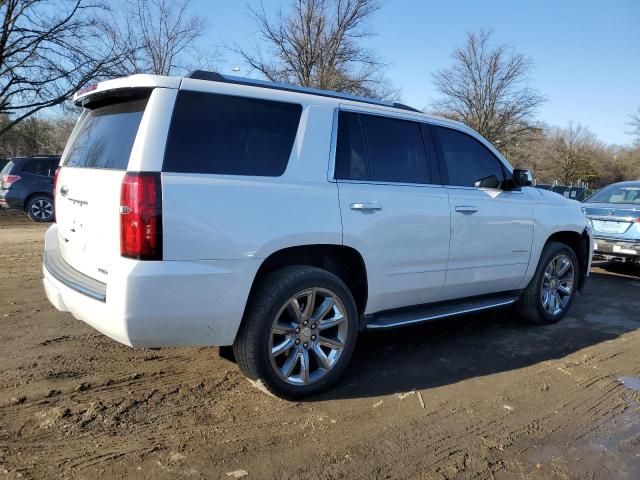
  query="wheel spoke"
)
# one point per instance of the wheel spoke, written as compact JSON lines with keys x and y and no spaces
{"x":309,"y":305}
{"x":552,"y":303}
{"x":324,"y":308}
{"x":294,"y":310}
{"x":282,"y":347}
{"x":283,"y":328}
{"x":331,"y":322}
{"x":565,"y":289}
{"x":290,"y":363}
{"x":322,"y":357}
{"x":558,"y":302}
{"x":304,"y":365}
{"x":545,"y":299}
{"x":563,"y":267}
{"x":333,"y":343}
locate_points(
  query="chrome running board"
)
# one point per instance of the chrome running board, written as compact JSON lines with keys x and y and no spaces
{"x":425,"y":313}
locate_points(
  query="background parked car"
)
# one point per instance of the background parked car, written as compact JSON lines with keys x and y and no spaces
{"x":27,"y":184}
{"x":615,"y":214}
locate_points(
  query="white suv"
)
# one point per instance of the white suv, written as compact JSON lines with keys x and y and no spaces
{"x":213,"y":210}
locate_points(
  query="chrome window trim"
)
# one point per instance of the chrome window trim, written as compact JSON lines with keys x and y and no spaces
{"x":461,"y":187}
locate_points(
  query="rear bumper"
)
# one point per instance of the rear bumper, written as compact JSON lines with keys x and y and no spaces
{"x":154,"y":304}
{"x":616,"y":248}
{"x":10,"y":201}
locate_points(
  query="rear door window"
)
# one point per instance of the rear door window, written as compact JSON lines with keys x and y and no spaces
{"x":37,"y":167}
{"x":105,"y":137}
{"x":221,"y":134}
{"x":465,"y":158}
{"x":380,"y":149}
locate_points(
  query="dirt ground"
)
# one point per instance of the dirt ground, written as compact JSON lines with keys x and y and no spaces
{"x":480,"y":397}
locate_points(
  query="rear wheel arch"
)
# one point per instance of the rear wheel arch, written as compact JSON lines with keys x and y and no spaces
{"x":36,"y":194}
{"x":344,"y":262}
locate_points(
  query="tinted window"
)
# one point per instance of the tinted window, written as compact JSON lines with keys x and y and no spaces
{"x":394,"y":151}
{"x":105,"y":137}
{"x":36,"y":167}
{"x":617,"y":194}
{"x":230,"y":135}
{"x":55,"y":163}
{"x":466,"y":159}
{"x":351,"y":161}
{"x":7,"y":168}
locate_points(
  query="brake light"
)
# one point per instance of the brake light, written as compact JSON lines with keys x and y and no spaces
{"x":9,"y":180}
{"x":55,"y":188}
{"x":141,"y":216}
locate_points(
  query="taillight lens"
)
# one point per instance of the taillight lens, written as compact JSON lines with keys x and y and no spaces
{"x":141,"y":216}
{"x":8,"y":180}
{"x":55,"y":188}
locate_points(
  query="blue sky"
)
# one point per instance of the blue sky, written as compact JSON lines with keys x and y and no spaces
{"x":586,"y":53}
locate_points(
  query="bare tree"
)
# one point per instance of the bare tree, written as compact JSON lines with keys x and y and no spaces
{"x":162,"y":35}
{"x":486,"y":88}
{"x":48,"y":49}
{"x":37,"y":135}
{"x":572,"y":154}
{"x":318,"y":44}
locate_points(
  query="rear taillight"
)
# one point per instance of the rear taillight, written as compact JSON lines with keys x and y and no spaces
{"x":141,"y":216}
{"x":8,"y":180}
{"x":55,"y":188}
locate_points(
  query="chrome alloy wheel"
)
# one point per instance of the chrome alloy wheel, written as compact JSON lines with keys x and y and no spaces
{"x":42,"y":209}
{"x":308,"y":336}
{"x":557,"y":285}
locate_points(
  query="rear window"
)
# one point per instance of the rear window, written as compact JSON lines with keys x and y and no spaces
{"x":105,"y":136}
{"x":222,"y":134}
{"x":617,"y":194}
{"x":7,"y":168}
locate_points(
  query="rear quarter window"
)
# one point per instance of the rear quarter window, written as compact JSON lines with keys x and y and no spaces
{"x":221,"y":134}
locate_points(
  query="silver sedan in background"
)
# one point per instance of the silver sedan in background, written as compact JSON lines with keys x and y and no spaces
{"x":614,"y":212}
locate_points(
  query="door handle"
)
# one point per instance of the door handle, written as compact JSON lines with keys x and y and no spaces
{"x":466,"y":209}
{"x":366,"y":207}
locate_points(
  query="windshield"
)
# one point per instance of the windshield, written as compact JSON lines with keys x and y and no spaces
{"x":617,"y":194}
{"x":105,"y":136}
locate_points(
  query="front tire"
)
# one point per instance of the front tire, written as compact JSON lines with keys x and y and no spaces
{"x":40,"y":209}
{"x":550,"y":293}
{"x":298,"y":333}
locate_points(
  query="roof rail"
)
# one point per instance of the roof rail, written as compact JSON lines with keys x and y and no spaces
{"x":218,"y":77}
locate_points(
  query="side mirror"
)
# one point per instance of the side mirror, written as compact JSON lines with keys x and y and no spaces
{"x":487,"y":182}
{"x":522,"y":177}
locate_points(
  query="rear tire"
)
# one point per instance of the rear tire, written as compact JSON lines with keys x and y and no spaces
{"x":550,"y":293}
{"x":298,"y":333}
{"x":40,"y":209}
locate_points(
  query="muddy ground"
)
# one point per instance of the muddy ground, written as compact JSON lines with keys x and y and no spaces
{"x":502,"y":399}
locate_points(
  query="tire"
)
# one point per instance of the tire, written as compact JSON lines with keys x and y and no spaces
{"x":40,"y":209}
{"x":548,"y":285}
{"x":273,"y":355}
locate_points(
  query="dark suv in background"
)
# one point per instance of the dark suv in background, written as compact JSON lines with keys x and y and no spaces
{"x":26,"y":183}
